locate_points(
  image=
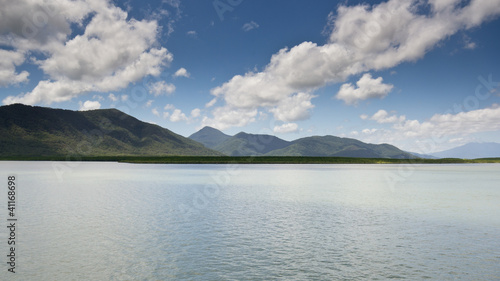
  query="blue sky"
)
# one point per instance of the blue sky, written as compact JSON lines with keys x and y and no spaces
{"x":422,"y":75}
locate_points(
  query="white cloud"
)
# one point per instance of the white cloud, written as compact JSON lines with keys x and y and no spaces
{"x":112,"y":97}
{"x":286,"y":128}
{"x":155,"y":112}
{"x":383,"y":117}
{"x":33,"y":25}
{"x":438,"y":130}
{"x":89,"y":105}
{"x":178,"y":116}
{"x":195,"y":112}
{"x":249,"y":26}
{"x":149,"y":103}
{"x":124,"y":98}
{"x":112,"y":52}
{"x":58,"y":91}
{"x":369,"y":131}
{"x":293,"y":108}
{"x":463,"y":123}
{"x":182,"y":72}
{"x":8,"y":63}
{"x":169,"y":107}
{"x":363,"y":38}
{"x":468,"y":44}
{"x":192,"y":33}
{"x":367,"y":88}
{"x":161,"y":88}
{"x":227,"y":117}
{"x":211,"y":102}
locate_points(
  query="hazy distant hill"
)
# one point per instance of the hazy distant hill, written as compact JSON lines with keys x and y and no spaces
{"x":39,"y":131}
{"x":423,"y":156}
{"x":209,"y":137}
{"x":339,"y":147}
{"x":471,"y":151}
{"x":244,"y":144}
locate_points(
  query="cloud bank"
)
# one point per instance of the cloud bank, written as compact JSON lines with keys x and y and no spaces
{"x":367,"y":88}
{"x":363,"y":38}
{"x":434,"y":132}
{"x":112,"y":51}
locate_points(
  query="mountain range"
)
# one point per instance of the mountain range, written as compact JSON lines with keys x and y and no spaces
{"x":243,"y":144}
{"x":39,"y":131}
{"x":471,"y":150}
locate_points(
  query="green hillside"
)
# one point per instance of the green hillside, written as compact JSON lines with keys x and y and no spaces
{"x":244,"y":144}
{"x":39,"y":131}
{"x":209,"y":137}
{"x":331,"y":146}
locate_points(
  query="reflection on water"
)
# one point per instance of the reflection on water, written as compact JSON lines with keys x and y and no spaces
{"x":109,"y":221}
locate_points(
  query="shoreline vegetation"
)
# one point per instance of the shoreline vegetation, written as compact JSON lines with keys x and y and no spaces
{"x":249,"y":160}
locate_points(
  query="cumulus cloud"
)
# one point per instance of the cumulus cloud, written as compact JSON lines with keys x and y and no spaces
{"x":468,"y":44}
{"x":249,"y":26}
{"x":293,"y":108}
{"x":161,"y":88}
{"x":8,"y":63}
{"x":211,"y":102}
{"x":112,"y":52}
{"x":182,"y":72}
{"x":169,"y":107}
{"x":363,"y":38}
{"x":35,"y":25}
{"x":155,"y":112}
{"x":227,"y":117}
{"x":439,"y":129}
{"x":89,"y":105}
{"x":286,"y":128}
{"x":383,"y":117}
{"x":112,"y":97}
{"x":177,"y":116}
{"x":367,"y":88}
{"x":463,"y":123}
{"x":48,"y":91}
{"x":195,"y":113}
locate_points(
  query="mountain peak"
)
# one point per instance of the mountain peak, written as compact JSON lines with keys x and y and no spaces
{"x":41,"y":131}
{"x":209,"y":137}
{"x":471,"y":150}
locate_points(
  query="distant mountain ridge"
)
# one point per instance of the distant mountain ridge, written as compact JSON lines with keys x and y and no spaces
{"x":471,"y":151}
{"x":244,"y":144}
{"x":209,"y":137}
{"x":40,"y":131}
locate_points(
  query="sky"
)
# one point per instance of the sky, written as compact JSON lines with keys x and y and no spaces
{"x":423,"y":75}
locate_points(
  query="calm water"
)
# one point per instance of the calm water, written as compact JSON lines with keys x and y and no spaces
{"x":109,"y":221}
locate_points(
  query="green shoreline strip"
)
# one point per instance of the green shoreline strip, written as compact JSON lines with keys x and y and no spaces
{"x":250,"y":160}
